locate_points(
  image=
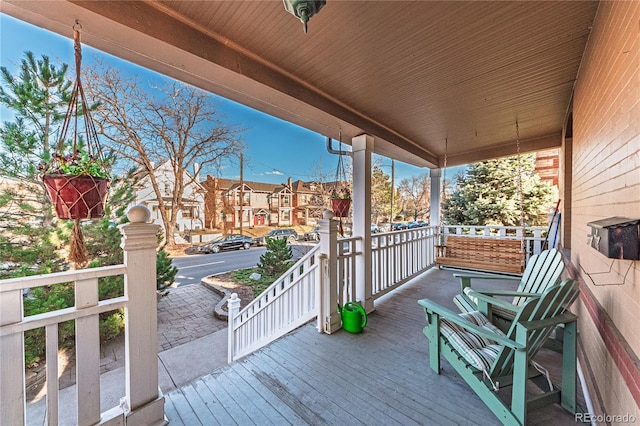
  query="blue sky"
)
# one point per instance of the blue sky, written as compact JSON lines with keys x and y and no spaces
{"x":273,"y":146}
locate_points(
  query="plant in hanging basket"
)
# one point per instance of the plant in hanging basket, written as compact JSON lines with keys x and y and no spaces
{"x":77,"y":184}
{"x":341,"y":202}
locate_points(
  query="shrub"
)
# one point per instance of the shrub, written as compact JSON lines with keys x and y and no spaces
{"x":165,"y":271}
{"x":111,"y":325}
{"x":277,"y":258}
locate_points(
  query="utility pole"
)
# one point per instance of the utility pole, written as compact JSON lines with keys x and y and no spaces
{"x":393,"y":191}
{"x":241,"y":192}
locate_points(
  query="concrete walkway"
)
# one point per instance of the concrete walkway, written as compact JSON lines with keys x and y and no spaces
{"x":191,"y":343}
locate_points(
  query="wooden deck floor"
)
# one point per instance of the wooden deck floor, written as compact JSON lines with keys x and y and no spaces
{"x":379,"y":377}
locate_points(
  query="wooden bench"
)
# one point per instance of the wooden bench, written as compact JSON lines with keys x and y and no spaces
{"x":486,"y":254}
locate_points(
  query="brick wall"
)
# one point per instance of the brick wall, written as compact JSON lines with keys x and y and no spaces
{"x":605,"y":183}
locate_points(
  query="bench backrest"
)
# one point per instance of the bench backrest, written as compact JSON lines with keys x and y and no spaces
{"x":483,"y":253}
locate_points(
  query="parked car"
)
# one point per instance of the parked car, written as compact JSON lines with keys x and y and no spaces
{"x":313,"y":235}
{"x":417,"y":224}
{"x":282,"y":234}
{"x":397,"y":226}
{"x":230,"y":242}
{"x":375,"y":229}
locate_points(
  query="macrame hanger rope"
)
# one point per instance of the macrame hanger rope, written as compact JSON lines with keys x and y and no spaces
{"x":443,"y":190}
{"x":78,"y":106}
{"x":341,"y":179}
{"x":77,"y":48}
{"x":520,"y":191}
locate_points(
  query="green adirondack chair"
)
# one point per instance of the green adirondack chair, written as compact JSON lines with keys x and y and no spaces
{"x":488,"y":359}
{"x":542,"y":270}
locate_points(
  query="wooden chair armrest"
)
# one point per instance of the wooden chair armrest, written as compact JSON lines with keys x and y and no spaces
{"x":512,"y":293}
{"x":432,"y":307}
{"x":465,"y":279}
{"x":564,"y":318}
{"x":487,"y":275}
{"x":486,"y":302}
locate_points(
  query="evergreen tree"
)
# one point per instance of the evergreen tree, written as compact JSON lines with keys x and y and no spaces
{"x":380,"y":194}
{"x":165,"y":272}
{"x":488,"y":194}
{"x":35,"y":98}
{"x":277,"y":259}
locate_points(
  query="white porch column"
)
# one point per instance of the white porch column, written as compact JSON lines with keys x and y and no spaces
{"x":328,"y":317}
{"x":435,"y":196}
{"x":362,"y":147}
{"x":139,"y":242}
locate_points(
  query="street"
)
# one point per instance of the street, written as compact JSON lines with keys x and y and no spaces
{"x":193,"y":268}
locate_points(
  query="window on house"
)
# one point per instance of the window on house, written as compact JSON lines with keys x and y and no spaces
{"x":167,"y":189}
{"x":187,"y":213}
{"x":286,"y":215}
{"x":247,"y":197}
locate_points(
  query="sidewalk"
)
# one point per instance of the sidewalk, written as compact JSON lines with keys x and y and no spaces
{"x":191,"y":344}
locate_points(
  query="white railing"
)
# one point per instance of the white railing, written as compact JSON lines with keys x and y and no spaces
{"x":534,"y":235}
{"x":143,"y":403}
{"x":288,"y":303}
{"x":398,"y":256}
{"x":85,"y":313}
{"x":325,"y":278}
{"x":346,"y":271}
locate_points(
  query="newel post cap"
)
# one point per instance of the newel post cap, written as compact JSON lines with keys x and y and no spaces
{"x":327,"y":214}
{"x":139,"y":214}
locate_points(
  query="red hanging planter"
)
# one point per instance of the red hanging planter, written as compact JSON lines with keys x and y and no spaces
{"x":340,"y":207}
{"x":77,"y":183}
{"x":77,"y":197}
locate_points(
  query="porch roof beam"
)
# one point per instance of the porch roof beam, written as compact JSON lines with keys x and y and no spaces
{"x":505,"y":149}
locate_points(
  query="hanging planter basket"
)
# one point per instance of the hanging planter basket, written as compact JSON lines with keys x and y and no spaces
{"x":341,"y":193}
{"x":77,"y":197}
{"x":340,"y":207}
{"x":77,"y":183}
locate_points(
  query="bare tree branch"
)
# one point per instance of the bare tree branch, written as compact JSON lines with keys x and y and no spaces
{"x":173,"y":122}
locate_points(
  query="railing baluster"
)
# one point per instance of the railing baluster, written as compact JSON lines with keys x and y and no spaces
{"x":52,"y":399}
{"x":87,"y":354}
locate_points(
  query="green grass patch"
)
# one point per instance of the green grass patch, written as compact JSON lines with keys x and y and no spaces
{"x":258,"y":286}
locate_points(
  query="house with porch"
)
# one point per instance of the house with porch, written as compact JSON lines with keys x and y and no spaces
{"x":309,"y":202}
{"x":190,"y":214}
{"x":260,"y":203}
{"x":433,"y":84}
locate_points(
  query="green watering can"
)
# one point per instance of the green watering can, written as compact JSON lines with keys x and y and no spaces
{"x":354,"y":317}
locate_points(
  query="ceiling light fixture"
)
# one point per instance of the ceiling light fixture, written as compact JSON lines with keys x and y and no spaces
{"x":303,"y":9}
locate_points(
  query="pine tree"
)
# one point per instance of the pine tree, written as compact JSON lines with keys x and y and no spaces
{"x":277,"y":259}
{"x":380,"y":194}
{"x":36,"y":99}
{"x":488,"y":194}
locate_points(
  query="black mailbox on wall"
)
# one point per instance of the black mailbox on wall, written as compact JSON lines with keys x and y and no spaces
{"x":616,"y":237}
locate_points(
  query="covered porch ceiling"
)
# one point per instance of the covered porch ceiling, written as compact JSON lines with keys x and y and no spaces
{"x":410,"y":73}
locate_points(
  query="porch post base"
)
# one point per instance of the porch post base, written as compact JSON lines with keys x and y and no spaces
{"x":151,"y":413}
{"x":368,"y":305}
{"x":333,"y":323}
